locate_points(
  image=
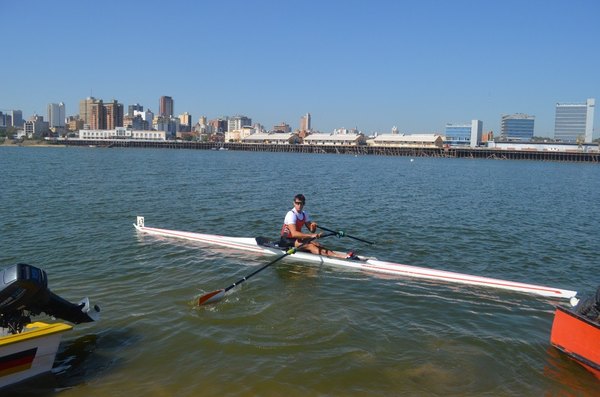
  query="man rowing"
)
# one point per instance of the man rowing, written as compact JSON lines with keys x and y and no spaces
{"x":292,"y":235}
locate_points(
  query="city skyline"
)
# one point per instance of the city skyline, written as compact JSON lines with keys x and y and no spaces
{"x":370,"y":66}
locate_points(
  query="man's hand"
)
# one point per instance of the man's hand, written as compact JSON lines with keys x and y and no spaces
{"x":312,"y":227}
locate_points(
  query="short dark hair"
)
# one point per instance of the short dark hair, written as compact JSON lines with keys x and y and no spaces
{"x":300,"y":197}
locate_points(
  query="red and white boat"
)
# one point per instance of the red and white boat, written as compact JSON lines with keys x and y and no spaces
{"x":371,"y":265}
{"x":576,"y":332}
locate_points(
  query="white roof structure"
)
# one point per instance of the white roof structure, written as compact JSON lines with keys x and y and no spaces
{"x":334,"y":139}
{"x":408,"y":140}
{"x":276,"y":138}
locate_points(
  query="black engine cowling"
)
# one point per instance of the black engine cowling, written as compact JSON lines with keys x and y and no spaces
{"x":24,"y":292}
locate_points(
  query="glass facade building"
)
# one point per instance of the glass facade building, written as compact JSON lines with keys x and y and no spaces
{"x":574,"y":122}
{"x":464,"y":134}
{"x":517,"y":127}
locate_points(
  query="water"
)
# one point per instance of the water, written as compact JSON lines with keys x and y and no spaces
{"x":298,"y":329}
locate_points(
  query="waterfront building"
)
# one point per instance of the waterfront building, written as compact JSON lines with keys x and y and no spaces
{"x":282,"y":127}
{"x":56,"y":115}
{"x":240,"y":134}
{"x":122,"y":133}
{"x":574,"y":122}
{"x":278,"y":138}
{"x":349,"y":139}
{"x":545,"y":147}
{"x":464,"y":133}
{"x":408,"y":140}
{"x":517,"y":127}
{"x":305,"y":123}
{"x":166,"y":106}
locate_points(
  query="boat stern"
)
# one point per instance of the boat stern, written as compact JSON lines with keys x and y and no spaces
{"x":29,"y":353}
{"x":578,"y":337}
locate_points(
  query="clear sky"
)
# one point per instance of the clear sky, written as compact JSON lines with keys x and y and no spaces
{"x":367,"y":64}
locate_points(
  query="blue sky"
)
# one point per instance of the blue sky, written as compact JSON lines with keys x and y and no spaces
{"x":366,"y":64}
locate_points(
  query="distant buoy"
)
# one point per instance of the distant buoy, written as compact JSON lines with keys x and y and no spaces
{"x":411,"y":160}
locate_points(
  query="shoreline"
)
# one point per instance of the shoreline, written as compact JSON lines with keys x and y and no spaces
{"x":451,"y":152}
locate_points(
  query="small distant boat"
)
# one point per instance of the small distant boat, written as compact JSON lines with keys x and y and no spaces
{"x":29,"y":348}
{"x":576,"y":332}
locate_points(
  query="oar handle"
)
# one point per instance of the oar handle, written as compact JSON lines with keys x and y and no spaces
{"x":341,"y":233}
{"x":218,"y":294}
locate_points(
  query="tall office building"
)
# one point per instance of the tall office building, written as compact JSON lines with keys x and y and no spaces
{"x":166,"y":106}
{"x":16,"y":117}
{"x":185,"y":122}
{"x":113,"y":115}
{"x":237,"y":122}
{"x":56,"y":115}
{"x":305,"y":122}
{"x":85,"y":109}
{"x":96,"y":117}
{"x":132,"y":108}
{"x":464,"y":133}
{"x":517,"y":127}
{"x":574,"y":122}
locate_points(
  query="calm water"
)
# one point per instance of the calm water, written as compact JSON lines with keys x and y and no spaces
{"x":296,"y":329}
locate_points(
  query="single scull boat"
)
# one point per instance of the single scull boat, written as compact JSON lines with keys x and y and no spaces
{"x":263,"y":246}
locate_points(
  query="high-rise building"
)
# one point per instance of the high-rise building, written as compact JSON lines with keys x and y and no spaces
{"x":56,"y":115}
{"x":96,"y":116}
{"x":166,"y":106}
{"x":16,"y":117}
{"x":218,"y":125}
{"x":237,"y":122}
{"x":464,"y":133}
{"x":305,"y":122}
{"x":185,"y":122}
{"x":85,"y":109}
{"x":574,"y":122}
{"x":132,"y":108}
{"x":517,"y":127}
{"x":113,"y":115}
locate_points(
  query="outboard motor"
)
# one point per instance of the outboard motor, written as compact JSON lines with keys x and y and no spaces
{"x":24,"y":292}
{"x":590,"y":307}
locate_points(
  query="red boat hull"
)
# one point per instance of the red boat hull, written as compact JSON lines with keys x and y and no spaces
{"x":578,"y":337}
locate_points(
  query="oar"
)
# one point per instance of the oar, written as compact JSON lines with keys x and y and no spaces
{"x":341,"y":233}
{"x":217,"y":295}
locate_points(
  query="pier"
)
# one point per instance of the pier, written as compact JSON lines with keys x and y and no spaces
{"x":451,"y":152}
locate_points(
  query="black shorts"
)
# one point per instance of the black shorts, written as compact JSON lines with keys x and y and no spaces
{"x":286,"y":242}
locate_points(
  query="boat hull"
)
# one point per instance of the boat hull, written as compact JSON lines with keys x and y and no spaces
{"x":29,"y":353}
{"x":366,"y":264}
{"x":578,"y":337}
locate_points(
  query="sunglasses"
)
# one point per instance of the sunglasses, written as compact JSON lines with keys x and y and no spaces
{"x":299,"y":202}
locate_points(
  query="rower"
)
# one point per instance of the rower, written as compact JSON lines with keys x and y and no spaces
{"x":292,"y":235}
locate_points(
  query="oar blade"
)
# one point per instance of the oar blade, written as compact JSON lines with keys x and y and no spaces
{"x":211,"y":297}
